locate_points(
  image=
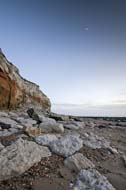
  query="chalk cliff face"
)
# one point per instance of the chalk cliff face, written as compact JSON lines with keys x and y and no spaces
{"x":16,"y":91}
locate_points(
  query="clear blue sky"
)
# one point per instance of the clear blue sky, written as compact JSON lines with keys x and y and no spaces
{"x":74,"y":49}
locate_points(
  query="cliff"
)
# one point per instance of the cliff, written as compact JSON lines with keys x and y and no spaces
{"x":15,"y":91}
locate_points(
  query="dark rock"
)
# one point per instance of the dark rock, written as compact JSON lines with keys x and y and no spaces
{"x":33,"y":115}
{"x":5,"y":126}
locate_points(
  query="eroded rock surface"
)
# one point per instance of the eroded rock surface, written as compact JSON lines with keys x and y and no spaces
{"x":77,"y":162}
{"x":66,"y":146}
{"x":93,"y":180}
{"x":16,"y":91}
{"x":19,"y":157}
{"x":93,"y":141}
{"x":46,"y":140}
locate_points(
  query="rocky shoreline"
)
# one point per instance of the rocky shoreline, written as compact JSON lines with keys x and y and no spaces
{"x":37,"y":151}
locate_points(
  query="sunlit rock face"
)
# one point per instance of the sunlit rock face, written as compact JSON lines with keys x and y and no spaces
{"x":15,"y":91}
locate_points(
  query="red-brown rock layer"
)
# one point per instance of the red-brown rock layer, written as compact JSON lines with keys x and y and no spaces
{"x":16,"y":91}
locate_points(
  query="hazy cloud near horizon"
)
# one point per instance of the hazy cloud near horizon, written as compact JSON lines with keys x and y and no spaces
{"x":112,"y":110}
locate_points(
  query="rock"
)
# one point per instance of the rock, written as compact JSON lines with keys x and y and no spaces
{"x":49,"y":120}
{"x":8,"y":139}
{"x":5,"y":126}
{"x":5,"y":133}
{"x":3,"y":114}
{"x":30,"y":112}
{"x":77,"y":162}
{"x":113,"y":150}
{"x":23,"y":114}
{"x":13,"y":115}
{"x":71,"y":127}
{"x":8,"y":121}
{"x":19,"y":126}
{"x":76,"y":118}
{"x":32,"y":131}
{"x":80,"y":124}
{"x":41,"y":118}
{"x":59,"y":117}
{"x":124,"y":159}
{"x":91,"y":124}
{"x":19,"y":157}
{"x":16,"y":91}
{"x":1,"y":147}
{"x":93,"y":141}
{"x":13,"y":130}
{"x":64,"y":173}
{"x":101,"y":126}
{"x":46,"y":140}
{"x":50,"y":125}
{"x":33,"y":115}
{"x":66,"y":146}
{"x":29,"y":122}
{"x":92,"y":180}
{"x":26,"y":122}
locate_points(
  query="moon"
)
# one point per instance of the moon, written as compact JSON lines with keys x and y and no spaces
{"x":86,"y":28}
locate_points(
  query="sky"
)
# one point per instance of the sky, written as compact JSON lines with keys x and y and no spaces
{"x":74,"y":49}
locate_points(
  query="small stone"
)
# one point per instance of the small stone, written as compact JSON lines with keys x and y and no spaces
{"x":41,"y":118}
{"x":71,"y":127}
{"x":113,"y":150}
{"x":1,"y":147}
{"x":32,"y":131}
{"x":124,"y":159}
{"x":19,"y":126}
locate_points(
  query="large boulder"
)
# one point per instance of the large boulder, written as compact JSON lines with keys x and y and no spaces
{"x":77,"y":162}
{"x":16,"y":91}
{"x":19,"y":157}
{"x":93,"y":180}
{"x":95,"y":142}
{"x":66,"y":146}
{"x":61,"y":145}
